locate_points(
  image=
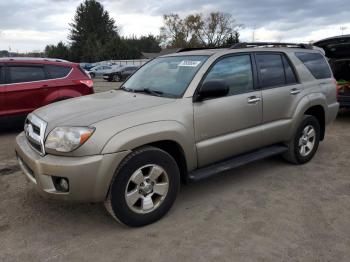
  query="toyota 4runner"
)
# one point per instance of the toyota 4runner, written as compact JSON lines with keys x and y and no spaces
{"x":181,"y":117}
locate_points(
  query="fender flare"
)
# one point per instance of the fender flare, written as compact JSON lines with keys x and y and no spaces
{"x":144,"y":134}
{"x":308,"y":101}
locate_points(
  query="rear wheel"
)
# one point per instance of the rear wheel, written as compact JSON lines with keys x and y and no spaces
{"x":304,"y":144}
{"x":144,"y":188}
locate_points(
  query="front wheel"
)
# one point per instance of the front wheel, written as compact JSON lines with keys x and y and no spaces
{"x":144,"y":187}
{"x":303,"y":146}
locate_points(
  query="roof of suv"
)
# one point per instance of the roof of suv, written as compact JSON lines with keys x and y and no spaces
{"x":247,"y":47}
{"x":35,"y":60}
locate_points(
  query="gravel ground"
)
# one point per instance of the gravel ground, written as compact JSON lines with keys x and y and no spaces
{"x":101,"y":85}
{"x":267,"y":211}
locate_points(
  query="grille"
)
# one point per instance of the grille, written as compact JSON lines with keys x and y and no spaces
{"x":34,"y":129}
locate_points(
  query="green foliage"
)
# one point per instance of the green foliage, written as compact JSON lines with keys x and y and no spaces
{"x":4,"y":53}
{"x":58,"y":51}
{"x":232,"y":39}
{"x":94,"y":37}
{"x":91,"y":29}
{"x":148,"y":44}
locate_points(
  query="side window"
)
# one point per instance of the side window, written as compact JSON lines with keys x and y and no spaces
{"x":20,"y":74}
{"x":271,"y":70}
{"x":236,"y":71}
{"x":57,"y":71}
{"x":316,"y":64}
{"x":290,"y":75}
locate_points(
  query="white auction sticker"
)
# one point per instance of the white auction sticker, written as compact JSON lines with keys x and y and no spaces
{"x":189,"y":63}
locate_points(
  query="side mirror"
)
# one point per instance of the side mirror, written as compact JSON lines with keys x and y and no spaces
{"x":212,"y":89}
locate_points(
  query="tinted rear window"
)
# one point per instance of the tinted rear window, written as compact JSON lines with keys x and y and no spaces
{"x":20,"y":74}
{"x":316,"y":64}
{"x":271,"y":70}
{"x":57,"y":71}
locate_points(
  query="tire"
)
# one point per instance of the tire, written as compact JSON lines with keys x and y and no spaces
{"x":295,"y":153}
{"x":116,"y":78}
{"x":128,"y":200}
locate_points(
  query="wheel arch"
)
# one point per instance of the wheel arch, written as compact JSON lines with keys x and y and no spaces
{"x":169,"y":136}
{"x":318,"y":112}
{"x":313,"y":104}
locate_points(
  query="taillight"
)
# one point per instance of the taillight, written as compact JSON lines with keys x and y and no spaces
{"x":89,"y":83}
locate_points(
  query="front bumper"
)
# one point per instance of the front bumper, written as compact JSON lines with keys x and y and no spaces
{"x":89,"y":176}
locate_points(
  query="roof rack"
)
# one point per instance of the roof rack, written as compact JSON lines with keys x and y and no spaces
{"x":198,"y":48}
{"x":271,"y":44}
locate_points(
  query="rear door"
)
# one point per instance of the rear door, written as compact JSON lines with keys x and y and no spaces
{"x":27,"y":88}
{"x":229,"y":125}
{"x":281,"y":92}
{"x":2,"y":91}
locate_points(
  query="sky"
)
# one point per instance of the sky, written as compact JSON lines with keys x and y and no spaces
{"x":32,"y":24}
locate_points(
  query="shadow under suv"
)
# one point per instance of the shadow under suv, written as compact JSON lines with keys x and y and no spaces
{"x":29,"y":83}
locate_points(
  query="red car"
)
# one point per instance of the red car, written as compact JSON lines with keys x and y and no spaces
{"x":29,"y":83}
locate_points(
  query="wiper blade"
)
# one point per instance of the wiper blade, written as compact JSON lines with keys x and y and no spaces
{"x":149,"y":91}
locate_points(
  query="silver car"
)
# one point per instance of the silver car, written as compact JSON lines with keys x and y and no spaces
{"x":181,"y":117}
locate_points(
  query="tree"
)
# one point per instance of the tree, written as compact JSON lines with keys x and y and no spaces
{"x":148,"y":44}
{"x":197,"y":30}
{"x":175,"y":32}
{"x":60,"y":51}
{"x":91,"y":29}
{"x":232,"y":39}
{"x":118,"y":48}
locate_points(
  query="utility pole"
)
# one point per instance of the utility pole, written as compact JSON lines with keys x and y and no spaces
{"x":253,"y":34}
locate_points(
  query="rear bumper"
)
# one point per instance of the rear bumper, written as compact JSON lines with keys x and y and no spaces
{"x":89,"y":177}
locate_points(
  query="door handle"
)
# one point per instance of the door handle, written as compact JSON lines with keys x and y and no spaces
{"x":253,"y":99}
{"x":295,"y":91}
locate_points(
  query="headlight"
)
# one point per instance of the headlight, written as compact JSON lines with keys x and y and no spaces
{"x":66,"y":139}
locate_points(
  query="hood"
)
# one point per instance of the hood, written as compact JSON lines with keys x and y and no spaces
{"x":336,"y":47}
{"x":86,"y":110}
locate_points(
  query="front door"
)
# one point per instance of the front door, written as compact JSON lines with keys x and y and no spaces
{"x":229,"y":125}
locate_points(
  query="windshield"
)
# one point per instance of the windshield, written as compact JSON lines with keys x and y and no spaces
{"x":165,"y":76}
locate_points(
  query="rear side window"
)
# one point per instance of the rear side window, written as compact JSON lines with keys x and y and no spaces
{"x":57,"y":71}
{"x":275,"y":70}
{"x":271,"y":70}
{"x":316,"y":64}
{"x":20,"y":74}
{"x":236,"y":71}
